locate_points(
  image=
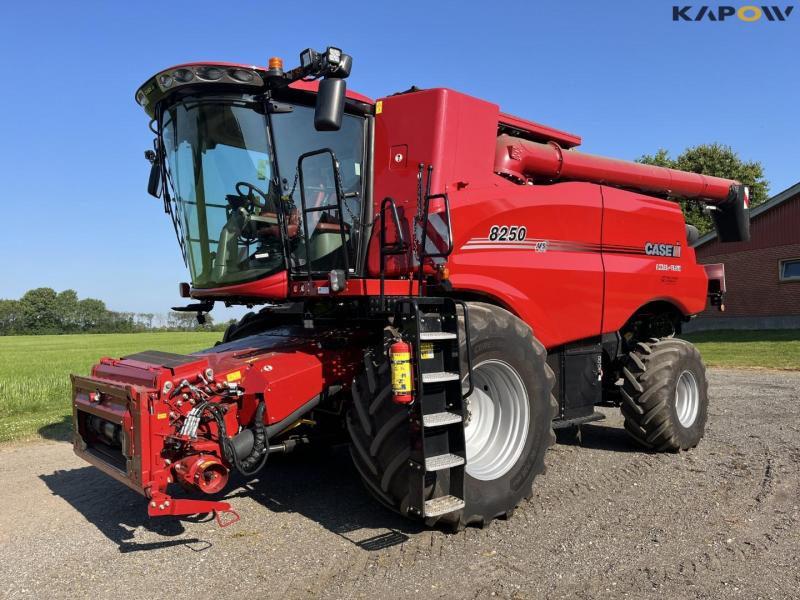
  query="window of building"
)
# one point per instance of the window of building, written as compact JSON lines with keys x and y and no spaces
{"x":789,"y":269}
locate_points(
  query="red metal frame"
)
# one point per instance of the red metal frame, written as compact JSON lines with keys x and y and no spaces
{"x":278,"y":287}
{"x":290,"y":370}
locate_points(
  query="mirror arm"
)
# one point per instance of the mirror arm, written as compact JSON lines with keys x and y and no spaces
{"x":333,"y":67}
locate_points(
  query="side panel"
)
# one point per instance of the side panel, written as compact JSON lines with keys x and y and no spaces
{"x":451,"y":131}
{"x":537,"y":249}
{"x":646,"y":257}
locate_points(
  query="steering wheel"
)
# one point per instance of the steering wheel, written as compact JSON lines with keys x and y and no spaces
{"x":252,"y":191}
{"x":246,"y":205}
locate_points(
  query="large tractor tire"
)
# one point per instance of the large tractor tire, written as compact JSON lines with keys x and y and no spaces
{"x":241,"y":328}
{"x":508,"y":426}
{"x":256,"y":322}
{"x":665,"y":395}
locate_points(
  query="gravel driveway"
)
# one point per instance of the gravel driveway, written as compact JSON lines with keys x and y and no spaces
{"x":605,"y":521}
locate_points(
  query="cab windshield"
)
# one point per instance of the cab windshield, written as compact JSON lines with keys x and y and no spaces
{"x":237,"y":194}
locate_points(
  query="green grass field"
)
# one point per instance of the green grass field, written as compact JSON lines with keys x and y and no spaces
{"x":35,"y":386}
{"x":779,"y":349}
{"x":34,"y":373}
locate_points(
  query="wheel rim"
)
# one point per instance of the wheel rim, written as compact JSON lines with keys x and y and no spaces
{"x":687,"y":398}
{"x":497,"y":424}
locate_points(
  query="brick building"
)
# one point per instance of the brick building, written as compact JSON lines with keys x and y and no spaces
{"x":763,"y":274}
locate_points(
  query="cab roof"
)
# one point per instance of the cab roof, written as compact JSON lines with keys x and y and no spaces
{"x":238,"y":76}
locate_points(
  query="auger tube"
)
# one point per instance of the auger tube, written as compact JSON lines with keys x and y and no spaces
{"x":522,"y":159}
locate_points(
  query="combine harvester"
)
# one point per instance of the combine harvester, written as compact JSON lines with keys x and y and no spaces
{"x":445,"y":282}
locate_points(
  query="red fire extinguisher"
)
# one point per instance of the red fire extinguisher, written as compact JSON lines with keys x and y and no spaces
{"x":402,"y":379}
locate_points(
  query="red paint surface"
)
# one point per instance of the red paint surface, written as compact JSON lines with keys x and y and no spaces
{"x":594,"y":273}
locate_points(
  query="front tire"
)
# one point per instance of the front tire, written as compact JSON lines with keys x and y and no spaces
{"x":665,"y":395}
{"x":257,"y":322}
{"x":508,"y":423}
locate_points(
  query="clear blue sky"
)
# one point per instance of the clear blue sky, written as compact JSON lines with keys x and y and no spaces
{"x":73,"y":207}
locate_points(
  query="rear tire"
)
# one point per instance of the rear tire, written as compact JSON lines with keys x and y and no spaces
{"x":380,"y":436}
{"x":665,"y":395}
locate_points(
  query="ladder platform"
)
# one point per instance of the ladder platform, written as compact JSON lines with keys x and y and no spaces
{"x":441,"y":418}
{"x":442,"y":505}
{"x":439,"y":377}
{"x":430,"y":336}
{"x":443,"y":461}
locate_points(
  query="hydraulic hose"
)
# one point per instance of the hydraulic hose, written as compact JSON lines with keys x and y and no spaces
{"x":257,"y":458}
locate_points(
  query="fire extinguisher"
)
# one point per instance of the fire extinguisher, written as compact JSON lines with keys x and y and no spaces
{"x":402,"y":380}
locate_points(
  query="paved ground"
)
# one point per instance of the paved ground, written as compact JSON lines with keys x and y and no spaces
{"x":605,"y":521}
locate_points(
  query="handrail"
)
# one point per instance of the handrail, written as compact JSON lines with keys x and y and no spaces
{"x":338,"y":207}
{"x":398,"y":247}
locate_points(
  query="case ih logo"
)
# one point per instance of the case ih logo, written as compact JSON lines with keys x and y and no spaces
{"x":747,"y":13}
{"x":662,"y":250}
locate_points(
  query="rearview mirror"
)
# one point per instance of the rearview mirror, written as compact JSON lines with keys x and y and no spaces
{"x":154,"y":182}
{"x":329,"y":109}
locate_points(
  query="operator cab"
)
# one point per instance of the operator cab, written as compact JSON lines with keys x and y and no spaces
{"x":260,"y":177}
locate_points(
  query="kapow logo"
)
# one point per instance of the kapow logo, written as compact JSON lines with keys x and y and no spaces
{"x":748,"y":13}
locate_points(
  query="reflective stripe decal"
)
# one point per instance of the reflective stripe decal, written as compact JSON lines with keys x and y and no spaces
{"x":436,"y":238}
{"x":541,"y":245}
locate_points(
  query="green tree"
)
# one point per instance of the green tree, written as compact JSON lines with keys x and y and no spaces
{"x":119,"y":322}
{"x":10,"y":317}
{"x":145,"y":320}
{"x":92,"y":314}
{"x":182,"y":321}
{"x":39,"y":311}
{"x":718,"y":160}
{"x":67,"y":305}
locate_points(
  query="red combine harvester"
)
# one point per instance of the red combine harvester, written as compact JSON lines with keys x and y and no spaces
{"x":444,"y":282}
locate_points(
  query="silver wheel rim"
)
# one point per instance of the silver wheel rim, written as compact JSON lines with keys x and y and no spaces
{"x":687,"y":399}
{"x":497,"y":424}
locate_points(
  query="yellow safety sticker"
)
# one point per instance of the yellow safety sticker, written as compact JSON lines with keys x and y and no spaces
{"x":379,"y":107}
{"x":161,"y":416}
{"x":401,"y":373}
{"x":425,"y":350}
{"x":234,"y":376}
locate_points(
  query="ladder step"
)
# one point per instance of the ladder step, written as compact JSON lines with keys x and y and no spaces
{"x":443,"y":461}
{"x":439,"y":377}
{"x":442,"y":505}
{"x":439,"y":419}
{"x":427,"y":336}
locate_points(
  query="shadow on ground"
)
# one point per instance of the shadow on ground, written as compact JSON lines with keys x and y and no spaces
{"x":116,"y":510}
{"x":321,"y":485}
{"x":606,"y":437}
{"x":597,"y":435}
{"x":60,"y":431}
{"x":324,"y":487}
